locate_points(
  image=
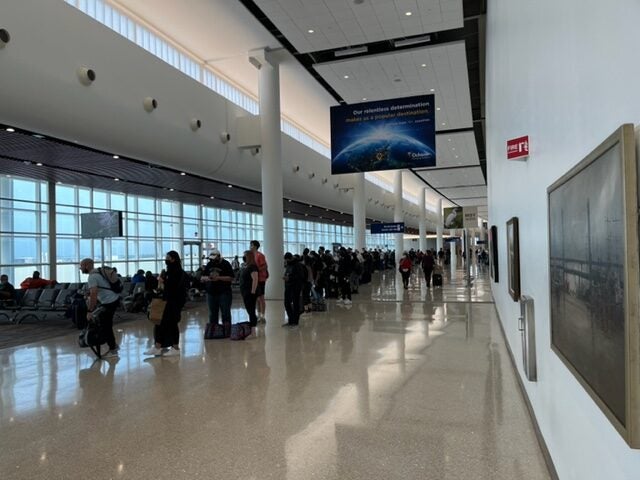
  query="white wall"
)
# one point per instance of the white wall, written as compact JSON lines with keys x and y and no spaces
{"x":39,"y":91}
{"x":565,"y":73}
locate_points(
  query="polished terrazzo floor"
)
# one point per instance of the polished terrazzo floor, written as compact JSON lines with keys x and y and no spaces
{"x":410,"y":385}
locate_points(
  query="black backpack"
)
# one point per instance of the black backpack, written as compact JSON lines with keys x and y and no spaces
{"x":111,"y":275}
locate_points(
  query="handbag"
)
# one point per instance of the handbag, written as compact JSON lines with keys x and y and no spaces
{"x":156,"y":310}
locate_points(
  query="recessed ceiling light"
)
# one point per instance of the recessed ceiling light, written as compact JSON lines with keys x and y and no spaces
{"x":327,"y":209}
{"x":320,"y":216}
{"x":244,"y":203}
{"x":58,"y":182}
{"x":311,"y":30}
{"x":230,"y":186}
{"x":438,"y":108}
{"x":10,"y":130}
{"x":310,"y":205}
{"x":432,"y":89}
{"x":424,"y":65}
{"x":453,"y":148}
{"x":116,"y":157}
{"x":364,"y":98}
{"x":39,"y":164}
{"x":346,"y":76}
{"x":449,"y":139}
{"x":38,"y":135}
{"x":408,"y":14}
{"x":171,"y":189}
{"x":306,"y":214}
{"x":116,"y":179}
{"x":289,"y":200}
{"x":182,"y":173}
{"x":288,"y":211}
{"x":212,"y":198}
{"x":443,"y":124}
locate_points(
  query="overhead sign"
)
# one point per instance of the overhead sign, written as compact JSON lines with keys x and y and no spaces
{"x":387,"y":227}
{"x":453,"y":218}
{"x":470,"y":215}
{"x":518,"y":148}
{"x":384,"y":135}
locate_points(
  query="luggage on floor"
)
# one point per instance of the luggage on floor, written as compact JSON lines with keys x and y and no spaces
{"x":319,"y":306}
{"x":216,"y":331}
{"x":240,"y":331}
{"x":91,"y":337}
{"x":437,"y":280}
{"x":79,"y":313}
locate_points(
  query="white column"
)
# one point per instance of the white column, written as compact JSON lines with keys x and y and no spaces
{"x":271,"y":159}
{"x":398,"y":216}
{"x":423,"y":220}
{"x":359,"y":211}
{"x":439,"y":225}
{"x":454,"y":255}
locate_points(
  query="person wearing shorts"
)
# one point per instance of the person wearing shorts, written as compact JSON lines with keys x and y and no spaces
{"x":263,"y":274}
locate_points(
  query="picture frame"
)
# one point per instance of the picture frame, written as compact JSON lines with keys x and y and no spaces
{"x":594,"y":281}
{"x":513,"y":258}
{"x":493,"y":254}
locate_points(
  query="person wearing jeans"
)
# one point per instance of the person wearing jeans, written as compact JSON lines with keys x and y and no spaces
{"x":249,"y":286}
{"x":294,"y":276}
{"x":218,"y":275}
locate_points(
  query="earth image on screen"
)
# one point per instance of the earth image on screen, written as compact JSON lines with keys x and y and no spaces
{"x":383,"y":151}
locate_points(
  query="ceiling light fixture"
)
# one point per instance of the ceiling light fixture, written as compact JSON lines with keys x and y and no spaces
{"x":411,"y":41}
{"x":424,"y":65}
{"x":230,"y":186}
{"x":438,"y":109}
{"x":116,"y":179}
{"x":11,"y":130}
{"x":244,"y":203}
{"x":364,"y":99}
{"x":310,"y":31}
{"x":212,"y":198}
{"x":346,"y":76}
{"x":171,"y":189}
{"x":182,"y":173}
{"x":116,"y":157}
{"x":408,"y":14}
{"x":432,"y":89}
{"x":39,"y":164}
{"x":351,"y":51}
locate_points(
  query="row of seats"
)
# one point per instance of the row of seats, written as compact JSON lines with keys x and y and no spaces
{"x":54,"y":299}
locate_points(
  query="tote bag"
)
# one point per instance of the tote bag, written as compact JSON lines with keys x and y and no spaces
{"x":156,"y":310}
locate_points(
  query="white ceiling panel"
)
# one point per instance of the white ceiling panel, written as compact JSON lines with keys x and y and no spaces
{"x":458,"y":177}
{"x":313,"y":25}
{"x":474,"y":202}
{"x":456,"y":150}
{"x":441,"y":70}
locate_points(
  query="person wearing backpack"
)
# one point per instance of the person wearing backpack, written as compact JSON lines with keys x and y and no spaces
{"x":102,"y":302}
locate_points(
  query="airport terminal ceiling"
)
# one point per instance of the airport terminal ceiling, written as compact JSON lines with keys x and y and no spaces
{"x":343,"y":52}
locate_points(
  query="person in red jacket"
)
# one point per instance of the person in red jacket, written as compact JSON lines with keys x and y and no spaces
{"x":34,"y":281}
{"x":405,"y":269}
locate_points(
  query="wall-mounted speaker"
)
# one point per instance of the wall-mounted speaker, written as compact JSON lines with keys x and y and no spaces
{"x":195,"y":124}
{"x":150,"y":104}
{"x":86,"y":75}
{"x":4,"y":37}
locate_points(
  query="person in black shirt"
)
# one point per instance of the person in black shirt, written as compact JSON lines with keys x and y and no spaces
{"x":344,"y":274}
{"x":428,"y":263}
{"x":7,"y":291}
{"x":218,"y":275}
{"x":249,"y":285}
{"x":294,"y":276}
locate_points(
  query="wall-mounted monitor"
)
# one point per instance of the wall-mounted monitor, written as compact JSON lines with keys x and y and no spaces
{"x":101,"y":224}
{"x":383,"y":135}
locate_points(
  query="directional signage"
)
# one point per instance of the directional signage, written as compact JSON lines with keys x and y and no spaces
{"x":387,"y":227}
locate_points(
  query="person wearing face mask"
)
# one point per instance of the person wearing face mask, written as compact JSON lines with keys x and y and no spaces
{"x":174,"y":292}
{"x":217,"y":277}
{"x":249,"y":285}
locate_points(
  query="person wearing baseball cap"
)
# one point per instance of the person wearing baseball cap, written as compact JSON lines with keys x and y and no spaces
{"x":217,"y":277}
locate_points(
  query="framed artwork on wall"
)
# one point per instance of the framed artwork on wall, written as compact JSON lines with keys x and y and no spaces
{"x":513,"y":258}
{"x":493,"y":253}
{"x":593,"y":284}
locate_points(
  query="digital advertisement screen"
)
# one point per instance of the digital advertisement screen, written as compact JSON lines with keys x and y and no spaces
{"x":383,"y":135}
{"x":101,"y":225}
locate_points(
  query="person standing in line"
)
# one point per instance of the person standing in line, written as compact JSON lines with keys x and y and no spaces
{"x":405,"y":269}
{"x":263,"y":275}
{"x":428,"y":263}
{"x":174,"y":292}
{"x":218,"y":275}
{"x":294,"y":276}
{"x":101,"y":304}
{"x":344,"y":275}
{"x":249,"y":285}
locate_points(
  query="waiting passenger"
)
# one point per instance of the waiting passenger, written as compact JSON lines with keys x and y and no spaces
{"x":7,"y":291}
{"x":34,"y":281}
{"x":138,"y":277}
{"x":101,"y":304}
{"x":405,"y":269}
{"x":174,"y":292}
{"x":249,"y":285}
{"x":217,"y":278}
{"x":263,"y":275}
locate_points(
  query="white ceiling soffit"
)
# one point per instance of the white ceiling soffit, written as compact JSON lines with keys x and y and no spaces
{"x":222,"y":32}
{"x":477,"y":202}
{"x":456,"y":149}
{"x":460,"y":193}
{"x":402,"y":74}
{"x":314,"y":25}
{"x":459,"y":177}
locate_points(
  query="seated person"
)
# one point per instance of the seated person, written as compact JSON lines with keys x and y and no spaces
{"x":36,"y":282}
{"x":138,"y":277}
{"x":7,"y":291}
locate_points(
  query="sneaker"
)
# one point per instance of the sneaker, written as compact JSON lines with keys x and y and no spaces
{"x":171,"y":352}
{"x":155,"y":351}
{"x":111,"y":354}
{"x":347,"y":302}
